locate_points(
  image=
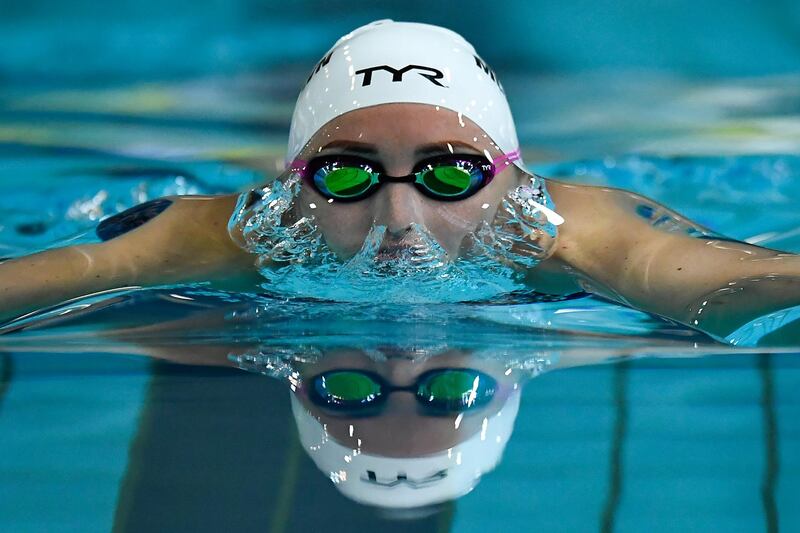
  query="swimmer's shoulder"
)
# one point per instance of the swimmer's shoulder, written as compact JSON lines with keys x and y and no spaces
{"x":599,"y":227}
{"x":584,"y":209}
{"x":570,"y":196}
{"x":183,"y":212}
{"x":177,"y":236}
{"x":172,"y":240}
{"x":591,"y":211}
{"x":605,"y":214}
{"x":606,"y":237}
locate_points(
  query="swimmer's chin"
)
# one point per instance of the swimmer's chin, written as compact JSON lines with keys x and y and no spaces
{"x":395,"y":252}
{"x":388,"y":255}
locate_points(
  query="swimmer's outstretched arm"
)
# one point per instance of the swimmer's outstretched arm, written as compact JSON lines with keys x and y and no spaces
{"x":184,"y":243}
{"x":713,"y":285}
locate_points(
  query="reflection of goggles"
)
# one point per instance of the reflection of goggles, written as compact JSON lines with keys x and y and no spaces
{"x":447,"y":177}
{"x":442,"y":391}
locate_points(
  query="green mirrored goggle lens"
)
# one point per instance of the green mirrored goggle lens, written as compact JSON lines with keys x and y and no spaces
{"x":447,"y":180}
{"x":347,"y":387}
{"x":346,"y":181}
{"x":457,"y":388}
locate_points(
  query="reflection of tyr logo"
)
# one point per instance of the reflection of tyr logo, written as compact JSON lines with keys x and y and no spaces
{"x":429,"y":73}
{"x":371,"y":477}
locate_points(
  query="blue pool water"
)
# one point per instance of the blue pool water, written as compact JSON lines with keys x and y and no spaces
{"x":126,"y":412}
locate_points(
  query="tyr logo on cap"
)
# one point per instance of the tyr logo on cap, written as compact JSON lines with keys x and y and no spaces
{"x":402,"y":478}
{"x":429,"y":73}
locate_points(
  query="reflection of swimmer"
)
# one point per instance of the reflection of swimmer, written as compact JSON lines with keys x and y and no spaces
{"x":405,"y":434}
{"x":403,"y":152}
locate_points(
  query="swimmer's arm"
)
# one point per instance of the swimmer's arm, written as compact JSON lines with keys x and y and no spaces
{"x":188,"y":242}
{"x":713,"y":285}
{"x":156,"y":340}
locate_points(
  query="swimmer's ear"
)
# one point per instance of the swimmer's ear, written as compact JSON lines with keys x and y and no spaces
{"x":130,"y":219}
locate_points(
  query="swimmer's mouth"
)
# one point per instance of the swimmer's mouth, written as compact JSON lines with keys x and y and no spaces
{"x":394,"y":252}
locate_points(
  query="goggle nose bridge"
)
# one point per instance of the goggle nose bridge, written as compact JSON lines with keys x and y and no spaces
{"x":409,"y":178}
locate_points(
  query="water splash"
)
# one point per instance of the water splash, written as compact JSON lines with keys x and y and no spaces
{"x":295,"y":260}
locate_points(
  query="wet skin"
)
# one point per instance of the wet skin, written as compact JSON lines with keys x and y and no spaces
{"x":605,"y":246}
{"x":391,"y":136}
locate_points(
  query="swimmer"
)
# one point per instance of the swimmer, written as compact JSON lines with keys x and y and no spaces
{"x":405,"y":433}
{"x":403,"y":153}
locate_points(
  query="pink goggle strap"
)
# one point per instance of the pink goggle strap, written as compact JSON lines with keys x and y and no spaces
{"x":507,"y":159}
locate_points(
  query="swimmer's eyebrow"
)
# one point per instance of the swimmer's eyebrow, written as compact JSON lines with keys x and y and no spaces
{"x":354,"y":147}
{"x":362,"y":148}
{"x":444,"y":147}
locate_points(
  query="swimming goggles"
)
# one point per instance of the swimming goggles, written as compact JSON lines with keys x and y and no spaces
{"x":447,"y":177}
{"x":441,"y":391}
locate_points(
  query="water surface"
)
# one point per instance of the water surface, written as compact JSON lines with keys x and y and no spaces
{"x":126,"y":412}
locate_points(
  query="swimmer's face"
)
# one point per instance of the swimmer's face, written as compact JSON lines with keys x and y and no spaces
{"x":397,"y":136}
{"x":401,"y":428}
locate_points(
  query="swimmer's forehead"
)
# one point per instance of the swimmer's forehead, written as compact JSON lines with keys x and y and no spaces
{"x":418,"y":128}
{"x":343,"y":358}
{"x":403,"y":434}
{"x":350,"y":146}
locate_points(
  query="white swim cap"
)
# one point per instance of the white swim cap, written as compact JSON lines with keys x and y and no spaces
{"x":407,"y":482}
{"x":403,"y":62}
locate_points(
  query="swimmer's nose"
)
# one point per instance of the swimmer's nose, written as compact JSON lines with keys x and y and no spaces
{"x":398,"y":206}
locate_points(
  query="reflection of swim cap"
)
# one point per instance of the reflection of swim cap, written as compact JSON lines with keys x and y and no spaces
{"x":399,"y":482}
{"x":402,"y":62}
